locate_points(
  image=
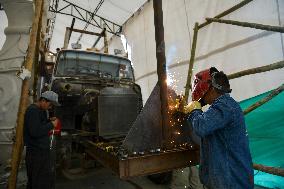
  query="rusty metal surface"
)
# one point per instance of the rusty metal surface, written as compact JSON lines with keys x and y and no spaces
{"x":145,"y":133}
{"x":157,"y":163}
{"x":107,"y":159}
{"x":162,"y":72}
{"x":117,"y":110}
{"x":126,"y":166}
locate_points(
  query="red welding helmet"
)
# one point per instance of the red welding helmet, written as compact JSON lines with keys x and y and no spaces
{"x":202,"y":82}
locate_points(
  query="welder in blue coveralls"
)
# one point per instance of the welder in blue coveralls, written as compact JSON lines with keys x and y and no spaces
{"x":225,"y":159}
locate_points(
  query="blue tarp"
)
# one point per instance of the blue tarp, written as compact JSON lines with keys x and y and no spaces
{"x":266,"y":133}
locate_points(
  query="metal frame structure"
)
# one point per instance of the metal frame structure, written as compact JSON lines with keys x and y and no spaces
{"x":88,"y":23}
{"x":84,"y":15}
{"x":277,"y":65}
{"x":50,"y":24}
{"x":132,"y":165}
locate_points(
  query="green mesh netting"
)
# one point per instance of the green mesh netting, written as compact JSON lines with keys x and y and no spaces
{"x":266,"y":133}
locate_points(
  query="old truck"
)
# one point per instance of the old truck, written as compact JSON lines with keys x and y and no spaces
{"x":97,"y":93}
{"x":98,"y":97}
{"x":100,"y":102}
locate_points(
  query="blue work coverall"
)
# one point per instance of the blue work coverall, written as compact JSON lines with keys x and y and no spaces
{"x":225,"y":159}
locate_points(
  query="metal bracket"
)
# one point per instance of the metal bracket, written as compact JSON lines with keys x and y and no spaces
{"x":24,"y":73}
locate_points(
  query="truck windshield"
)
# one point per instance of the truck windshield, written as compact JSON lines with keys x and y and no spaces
{"x":77,"y":63}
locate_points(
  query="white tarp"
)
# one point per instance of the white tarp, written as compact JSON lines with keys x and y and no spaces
{"x":3,"y":25}
{"x":229,"y":48}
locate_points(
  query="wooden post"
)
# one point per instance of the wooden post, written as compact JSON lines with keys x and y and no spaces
{"x":274,"y":93}
{"x":66,"y":37}
{"x":270,"y":170}
{"x":98,"y":39}
{"x":260,"y":69}
{"x":161,"y":69}
{"x":226,"y":12}
{"x":105,"y":41}
{"x":191,"y":62}
{"x":39,"y":45}
{"x":249,"y":25}
{"x":18,"y":145}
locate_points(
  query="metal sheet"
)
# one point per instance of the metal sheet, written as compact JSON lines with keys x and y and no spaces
{"x":145,"y":133}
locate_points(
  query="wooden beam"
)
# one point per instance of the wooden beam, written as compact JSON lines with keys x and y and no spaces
{"x":84,"y":31}
{"x":260,"y":69}
{"x":248,"y":25}
{"x":226,"y":12}
{"x":191,"y":62}
{"x":274,"y":93}
{"x":271,"y":170}
{"x":161,"y":70}
{"x":18,"y":145}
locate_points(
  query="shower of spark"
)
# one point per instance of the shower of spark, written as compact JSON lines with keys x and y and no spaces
{"x":173,"y":80}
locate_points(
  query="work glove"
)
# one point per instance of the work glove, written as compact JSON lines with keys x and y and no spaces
{"x":57,"y":126}
{"x":194,"y":105}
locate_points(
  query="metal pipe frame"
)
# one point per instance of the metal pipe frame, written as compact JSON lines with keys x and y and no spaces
{"x":84,"y":15}
{"x":88,"y":22}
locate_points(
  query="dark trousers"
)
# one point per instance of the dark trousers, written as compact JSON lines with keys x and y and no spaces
{"x":39,"y":169}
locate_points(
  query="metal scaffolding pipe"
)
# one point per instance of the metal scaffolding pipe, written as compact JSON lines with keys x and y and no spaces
{"x":18,"y":145}
{"x":191,"y":62}
{"x":249,"y":25}
{"x":161,"y":69}
{"x":260,"y":69}
{"x":259,"y":103}
{"x":226,"y":12}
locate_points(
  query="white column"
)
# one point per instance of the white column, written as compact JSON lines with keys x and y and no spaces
{"x":12,"y":55}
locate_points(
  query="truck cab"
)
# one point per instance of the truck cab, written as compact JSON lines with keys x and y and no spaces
{"x":97,"y":93}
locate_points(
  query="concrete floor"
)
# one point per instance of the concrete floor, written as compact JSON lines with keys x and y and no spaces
{"x":103,"y":178}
